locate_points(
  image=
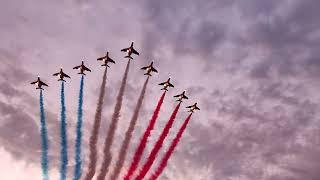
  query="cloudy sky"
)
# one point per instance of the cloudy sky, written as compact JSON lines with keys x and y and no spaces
{"x":252,"y":65}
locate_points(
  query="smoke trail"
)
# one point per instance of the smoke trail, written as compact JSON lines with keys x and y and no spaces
{"x":44,"y":139}
{"x":95,"y":131}
{"x":107,"y":157}
{"x":63,"y":134}
{"x":143,"y":142}
{"x":158,"y":145}
{"x":125,"y":144}
{"x":78,"y":166}
{"x":170,"y":151}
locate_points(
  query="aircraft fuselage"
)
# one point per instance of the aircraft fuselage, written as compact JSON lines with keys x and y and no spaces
{"x":38,"y":84}
{"x":129,"y":51}
{"x":81,"y":69}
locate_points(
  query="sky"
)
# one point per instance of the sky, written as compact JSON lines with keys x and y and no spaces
{"x":253,"y":67}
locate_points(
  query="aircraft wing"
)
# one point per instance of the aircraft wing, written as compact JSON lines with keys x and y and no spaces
{"x":112,"y":61}
{"x":184,"y":96}
{"x":100,"y":58}
{"x":189,"y":106}
{"x":33,"y":82}
{"x":87,"y":69}
{"x":171,"y":85}
{"x":44,"y":84}
{"x":135,"y":52}
{"x":197,"y":108}
{"x":162,"y":83}
{"x":177,"y":95}
{"x":77,"y":67}
{"x":56,"y":74}
{"x":153,"y":69}
{"x":66,"y":75}
{"x":144,"y":68}
{"x":125,"y":49}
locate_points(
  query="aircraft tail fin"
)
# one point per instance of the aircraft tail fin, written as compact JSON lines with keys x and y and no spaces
{"x":148,"y":74}
{"x":105,"y":65}
{"x":128,"y":57}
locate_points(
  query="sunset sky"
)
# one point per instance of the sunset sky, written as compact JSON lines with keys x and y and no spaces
{"x":253,"y":66}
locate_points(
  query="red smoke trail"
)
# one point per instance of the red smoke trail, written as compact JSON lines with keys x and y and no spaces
{"x":170,"y":151}
{"x":158,"y":145}
{"x":138,"y":154}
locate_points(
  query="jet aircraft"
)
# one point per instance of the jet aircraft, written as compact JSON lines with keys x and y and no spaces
{"x":82,"y":68}
{"x":61,"y":75}
{"x":39,"y":83}
{"x":106,"y":59}
{"x":166,"y":84}
{"x":193,"y":107}
{"x":181,"y":96}
{"x":130,"y":50}
{"x":149,"y":69}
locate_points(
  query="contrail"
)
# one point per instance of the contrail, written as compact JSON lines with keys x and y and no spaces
{"x":158,"y":145}
{"x":138,"y":154}
{"x":170,"y":151}
{"x":63,"y":134}
{"x":107,"y":157}
{"x":44,"y":139}
{"x":95,"y":131}
{"x":78,"y":161}
{"x":125,"y":144}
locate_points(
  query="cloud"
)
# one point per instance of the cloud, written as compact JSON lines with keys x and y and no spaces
{"x":253,"y":66}
{"x":19,"y":169}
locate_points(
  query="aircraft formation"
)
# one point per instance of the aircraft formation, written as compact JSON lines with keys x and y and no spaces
{"x":106,"y":59}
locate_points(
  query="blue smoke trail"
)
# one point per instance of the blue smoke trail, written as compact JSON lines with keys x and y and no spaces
{"x":44,"y":139}
{"x":78,"y":167}
{"x":63,"y":134}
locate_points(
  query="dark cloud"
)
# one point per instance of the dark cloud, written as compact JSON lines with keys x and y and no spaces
{"x":269,"y":134}
{"x":267,"y":116}
{"x":12,"y":70}
{"x":19,"y":132}
{"x":285,"y":30}
{"x":183,"y":27}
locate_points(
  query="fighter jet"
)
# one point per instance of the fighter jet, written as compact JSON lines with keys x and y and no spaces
{"x":193,"y":107}
{"x":166,"y":84}
{"x":181,"y":96}
{"x":149,"y":69}
{"x":82,"y":68}
{"x":130,"y":50}
{"x":61,"y":75}
{"x":39,"y":83}
{"x":106,"y":59}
